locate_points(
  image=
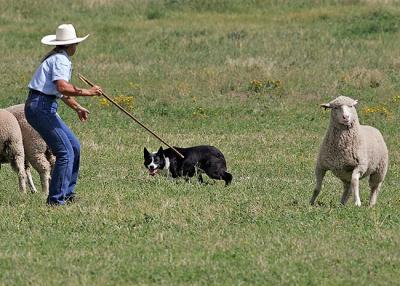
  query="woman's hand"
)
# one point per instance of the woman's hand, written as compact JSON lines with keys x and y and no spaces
{"x":83,"y":113}
{"x":94,"y":91}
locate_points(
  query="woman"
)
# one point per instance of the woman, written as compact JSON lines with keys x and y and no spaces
{"x":50,"y":83}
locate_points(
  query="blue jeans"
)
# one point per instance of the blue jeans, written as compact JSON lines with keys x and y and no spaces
{"x":41,"y":113}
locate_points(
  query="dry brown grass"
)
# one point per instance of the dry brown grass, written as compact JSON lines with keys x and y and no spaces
{"x":360,"y":77}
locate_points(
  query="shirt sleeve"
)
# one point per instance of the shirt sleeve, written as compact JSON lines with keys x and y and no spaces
{"x":61,"y":69}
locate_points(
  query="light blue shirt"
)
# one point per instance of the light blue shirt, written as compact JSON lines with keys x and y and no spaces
{"x":55,"y":67}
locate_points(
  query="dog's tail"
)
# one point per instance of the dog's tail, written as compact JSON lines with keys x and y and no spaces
{"x":227,"y":178}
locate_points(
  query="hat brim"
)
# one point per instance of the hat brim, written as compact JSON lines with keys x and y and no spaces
{"x":51,"y":41}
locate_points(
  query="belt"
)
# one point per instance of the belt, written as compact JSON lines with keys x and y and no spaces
{"x":37,"y":92}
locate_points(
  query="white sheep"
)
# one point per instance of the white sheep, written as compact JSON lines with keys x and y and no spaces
{"x":37,"y":153}
{"x":351,"y":151}
{"x":11,"y":146}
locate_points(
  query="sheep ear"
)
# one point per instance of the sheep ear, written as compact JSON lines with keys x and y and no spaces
{"x":355,"y":102}
{"x":326,"y":105}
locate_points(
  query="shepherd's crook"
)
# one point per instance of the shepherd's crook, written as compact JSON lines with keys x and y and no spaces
{"x":82,"y":78}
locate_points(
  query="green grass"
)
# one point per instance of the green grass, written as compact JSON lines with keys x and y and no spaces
{"x":192,"y":68}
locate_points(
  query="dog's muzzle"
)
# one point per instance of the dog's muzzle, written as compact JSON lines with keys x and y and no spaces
{"x":152,"y":171}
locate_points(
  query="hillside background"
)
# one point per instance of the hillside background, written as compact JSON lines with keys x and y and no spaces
{"x":244,"y":76}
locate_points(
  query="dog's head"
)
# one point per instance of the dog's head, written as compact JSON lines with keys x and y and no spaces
{"x":154,"y":161}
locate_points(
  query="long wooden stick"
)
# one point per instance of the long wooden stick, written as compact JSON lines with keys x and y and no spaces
{"x":82,"y":78}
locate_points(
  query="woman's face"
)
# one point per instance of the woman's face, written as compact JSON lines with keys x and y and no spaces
{"x":71,"y":49}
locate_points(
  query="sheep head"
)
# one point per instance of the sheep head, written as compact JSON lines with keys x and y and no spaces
{"x":343,"y":111}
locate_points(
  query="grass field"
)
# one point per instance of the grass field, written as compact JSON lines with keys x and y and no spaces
{"x":245,"y":76}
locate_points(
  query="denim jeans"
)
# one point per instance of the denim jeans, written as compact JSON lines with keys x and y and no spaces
{"x":41,"y":113}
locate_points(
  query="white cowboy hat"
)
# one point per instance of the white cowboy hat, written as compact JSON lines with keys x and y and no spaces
{"x":65,"y":35}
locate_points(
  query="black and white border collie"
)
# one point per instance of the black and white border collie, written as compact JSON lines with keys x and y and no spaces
{"x":198,"y":159}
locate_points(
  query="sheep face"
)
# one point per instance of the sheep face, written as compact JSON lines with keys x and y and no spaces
{"x":343,"y":110}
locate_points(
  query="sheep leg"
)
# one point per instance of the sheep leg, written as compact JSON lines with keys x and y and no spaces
{"x":45,"y":181}
{"x":30,"y":180}
{"x":319,"y":175}
{"x":43,"y":166}
{"x":355,"y":180}
{"x":375,"y":187}
{"x":346,"y":193}
{"x":18,"y":166}
{"x":374,"y":195}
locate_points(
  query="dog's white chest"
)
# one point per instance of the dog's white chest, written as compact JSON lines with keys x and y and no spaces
{"x":167,"y":163}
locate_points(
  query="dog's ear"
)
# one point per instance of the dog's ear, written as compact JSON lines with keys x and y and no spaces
{"x":145,"y":152}
{"x":161,"y":150}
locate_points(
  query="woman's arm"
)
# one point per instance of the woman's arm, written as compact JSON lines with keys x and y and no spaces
{"x":68,"y":89}
{"x":82,"y":112}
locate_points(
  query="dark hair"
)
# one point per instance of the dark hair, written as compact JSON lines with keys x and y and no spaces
{"x":56,"y":50}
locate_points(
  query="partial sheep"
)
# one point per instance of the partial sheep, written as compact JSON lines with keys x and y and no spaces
{"x":11,"y":146}
{"x":351,"y":151}
{"x":37,"y":153}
